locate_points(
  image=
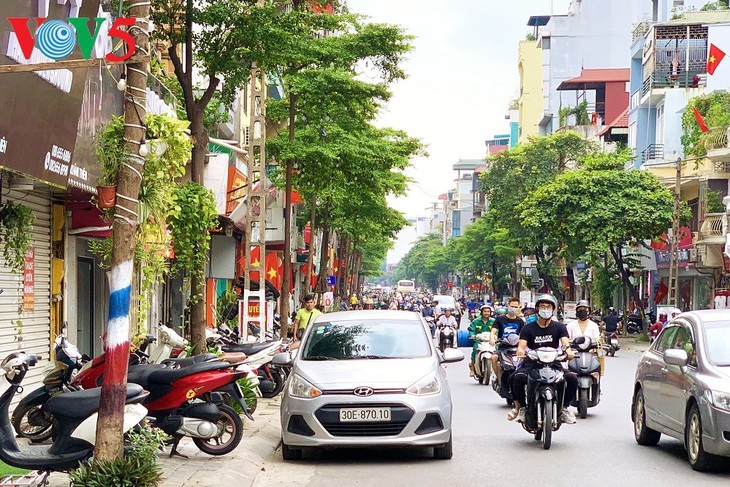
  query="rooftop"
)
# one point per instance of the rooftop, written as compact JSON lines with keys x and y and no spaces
{"x":622,"y":121}
{"x":468,"y":164}
{"x":591,"y":79}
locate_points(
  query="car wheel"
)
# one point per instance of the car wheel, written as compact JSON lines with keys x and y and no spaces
{"x":699,"y":459}
{"x":288,"y":453}
{"x":643,"y":434}
{"x":444,"y":452}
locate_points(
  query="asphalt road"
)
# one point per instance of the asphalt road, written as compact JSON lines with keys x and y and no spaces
{"x":488,"y":450}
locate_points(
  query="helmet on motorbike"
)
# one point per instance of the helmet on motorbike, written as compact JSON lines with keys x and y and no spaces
{"x":583,"y":304}
{"x":546,"y":298}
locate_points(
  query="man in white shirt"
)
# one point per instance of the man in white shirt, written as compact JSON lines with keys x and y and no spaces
{"x":447,"y":319}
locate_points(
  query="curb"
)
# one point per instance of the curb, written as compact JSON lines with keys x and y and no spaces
{"x":261,"y":438}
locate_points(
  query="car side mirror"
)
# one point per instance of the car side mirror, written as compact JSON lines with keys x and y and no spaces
{"x":452,"y":355}
{"x":676,"y":356}
{"x":282,"y":359}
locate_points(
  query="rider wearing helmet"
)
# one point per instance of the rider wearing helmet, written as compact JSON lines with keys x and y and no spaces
{"x":546,"y":332}
{"x":583,"y":326}
{"x":505,"y":325}
{"x":658,"y":326}
{"x":482,"y":324}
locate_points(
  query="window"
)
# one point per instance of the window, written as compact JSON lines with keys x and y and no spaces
{"x":683,"y":341}
{"x":665,"y":339}
{"x":717,"y":342}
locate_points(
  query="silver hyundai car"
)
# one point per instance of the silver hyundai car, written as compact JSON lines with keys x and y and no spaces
{"x":367,"y":379}
{"x":682,"y":387}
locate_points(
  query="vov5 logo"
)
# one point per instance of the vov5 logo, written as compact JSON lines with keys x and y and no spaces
{"x":57,"y":39}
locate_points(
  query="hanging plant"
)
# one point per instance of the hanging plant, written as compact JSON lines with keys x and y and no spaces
{"x":193,"y":216}
{"x":17,"y":222}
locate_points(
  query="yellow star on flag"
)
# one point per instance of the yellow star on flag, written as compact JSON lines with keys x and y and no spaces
{"x":255,"y":263}
{"x":712,"y":59}
{"x":271,"y":273}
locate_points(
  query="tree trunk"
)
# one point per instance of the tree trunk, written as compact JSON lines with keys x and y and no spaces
{"x":310,"y":257}
{"x":356,"y":274}
{"x":323,"y":255}
{"x":286,"y":281}
{"x":341,"y":289}
{"x":110,"y":423}
{"x":633,"y":291}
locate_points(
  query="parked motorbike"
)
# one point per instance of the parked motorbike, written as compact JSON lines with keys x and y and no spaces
{"x":29,"y":419}
{"x":447,"y":337}
{"x":545,"y":390}
{"x":190,"y":401}
{"x":507,"y":356}
{"x":483,"y":358}
{"x":634,"y":324}
{"x":588,"y":368}
{"x":611,"y":344}
{"x":74,"y":415}
{"x":271,"y":377}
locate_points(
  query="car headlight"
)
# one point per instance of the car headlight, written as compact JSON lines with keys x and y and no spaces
{"x":299,"y":387}
{"x":720,"y":400}
{"x":427,"y":385}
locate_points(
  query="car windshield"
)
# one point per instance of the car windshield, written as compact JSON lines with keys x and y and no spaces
{"x":366,"y":339}
{"x":717,"y":342}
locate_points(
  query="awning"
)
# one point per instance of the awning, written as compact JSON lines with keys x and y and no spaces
{"x":593,"y":79}
{"x":622,"y":121}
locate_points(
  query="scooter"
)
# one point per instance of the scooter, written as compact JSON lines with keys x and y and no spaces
{"x":634,"y":324}
{"x":447,"y":337}
{"x":611,"y":344}
{"x":508,"y":360}
{"x":483,"y":358}
{"x":545,"y":390}
{"x":271,"y":377}
{"x":588,"y":368}
{"x":431,"y":325}
{"x":75,"y":416}
{"x":29,"y":418}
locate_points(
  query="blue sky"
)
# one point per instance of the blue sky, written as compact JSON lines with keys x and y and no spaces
{"x":462,"y":74}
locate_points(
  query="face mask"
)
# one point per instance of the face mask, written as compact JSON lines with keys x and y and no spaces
{"x":582,"y":314}
{"x":545,"y":314}
{"x":512,"y":311}
{"x":531,"y":319}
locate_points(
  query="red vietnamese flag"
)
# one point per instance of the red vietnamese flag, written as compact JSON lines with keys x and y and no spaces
{"x":272,"y":269}
{"x":700,"y":120}
{"x":716,"y":55}
{"x":661,"y":293}
{"x":254,"y":261}
{"x":319,"y":7}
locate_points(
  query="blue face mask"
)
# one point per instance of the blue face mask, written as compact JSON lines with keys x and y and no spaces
{"x":531,"y":319}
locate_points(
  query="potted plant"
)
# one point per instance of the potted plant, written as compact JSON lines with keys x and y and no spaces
{"x":110,"y":154}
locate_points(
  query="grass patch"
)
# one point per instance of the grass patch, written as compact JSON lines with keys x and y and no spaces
{"x":642,"y":338}
{"x":8,"y":470}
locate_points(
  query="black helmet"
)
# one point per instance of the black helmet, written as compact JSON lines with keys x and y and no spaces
{"x":546,"y":298}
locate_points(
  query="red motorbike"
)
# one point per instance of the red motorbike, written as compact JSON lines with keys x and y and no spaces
{"x":187,"y":401}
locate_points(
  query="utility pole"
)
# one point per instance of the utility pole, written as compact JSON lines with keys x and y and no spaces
{"x":109,"y":427}
{"x":673,"y":297}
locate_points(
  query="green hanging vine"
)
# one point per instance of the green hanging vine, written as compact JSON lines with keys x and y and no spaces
{"x":17,"y":222}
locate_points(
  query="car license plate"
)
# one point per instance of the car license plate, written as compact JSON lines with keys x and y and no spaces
{"x":364,"y":414}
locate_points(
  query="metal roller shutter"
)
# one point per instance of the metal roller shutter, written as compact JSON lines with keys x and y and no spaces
{"x":35,"y":333}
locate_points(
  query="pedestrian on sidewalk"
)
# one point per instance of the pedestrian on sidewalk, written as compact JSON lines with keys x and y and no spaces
{"x":304,"y":316}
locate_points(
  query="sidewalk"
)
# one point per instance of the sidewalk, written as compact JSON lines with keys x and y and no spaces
{"x":239,"y":468}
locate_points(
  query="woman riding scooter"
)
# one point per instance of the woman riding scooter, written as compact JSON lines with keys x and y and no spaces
{"x":483,"y":324}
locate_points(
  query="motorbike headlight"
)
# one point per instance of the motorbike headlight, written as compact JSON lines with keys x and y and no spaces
{"x":547,"y":356}
{"x":300,"y":387}
{"x":425,"y":386}
{"x":720,"y":400}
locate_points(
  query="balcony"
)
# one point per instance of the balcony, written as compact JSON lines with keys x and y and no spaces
{"x":653,"y":153}
{"x":717,"y":143}
{"x":713,"y":229}
{"x":640,"y":31}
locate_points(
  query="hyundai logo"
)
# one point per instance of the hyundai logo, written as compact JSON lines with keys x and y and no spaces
{"x":364,"y":391}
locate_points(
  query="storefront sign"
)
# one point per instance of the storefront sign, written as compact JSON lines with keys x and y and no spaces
{"x":29,"y":281}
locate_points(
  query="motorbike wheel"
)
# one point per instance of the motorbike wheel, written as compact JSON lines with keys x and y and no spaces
{"x":230,"y":428}
{"x":547,"y":423}
{"x":30,"y":421}
{"x":442,"y":346}
{"x":612,"y":352}
{"x":486,"y":372}
{"x":583,"y":403}
{"x":278,"y":384}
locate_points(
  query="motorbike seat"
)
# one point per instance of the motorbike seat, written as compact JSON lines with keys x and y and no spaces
{"x":188,"y":361}
{"x":82,"y":404}
{"x":167,"y":375}
{"x":247,"y":348}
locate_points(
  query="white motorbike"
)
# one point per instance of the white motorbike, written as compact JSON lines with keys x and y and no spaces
{"x":447,"y":337}
{"x":483,"y":358}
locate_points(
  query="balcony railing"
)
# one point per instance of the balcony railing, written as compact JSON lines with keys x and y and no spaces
{"x":717,"y":138}
{"x":640,"y":30}
{"x":652,"y":153}
{"x":714,"y":228}
{"x":666,"y":78}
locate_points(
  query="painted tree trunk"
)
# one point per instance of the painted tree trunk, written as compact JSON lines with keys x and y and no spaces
{"x":197,"y":284}
{"x":310,"y":256}
{"x":109,"y":427}
{"x":324,"y":256}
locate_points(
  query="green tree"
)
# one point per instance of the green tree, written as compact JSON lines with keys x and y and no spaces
{"x":601,"y":207}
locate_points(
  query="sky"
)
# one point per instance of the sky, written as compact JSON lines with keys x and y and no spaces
{"x":461,"y":75}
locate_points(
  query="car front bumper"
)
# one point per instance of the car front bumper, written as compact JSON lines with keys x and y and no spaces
{"x":716,"y":431}
{"x":424,"y":411}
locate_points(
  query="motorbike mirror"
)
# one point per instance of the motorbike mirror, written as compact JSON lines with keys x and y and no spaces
{"x":676,"y":356}
{"x":282,"y":359}
{"x":452,"y":355}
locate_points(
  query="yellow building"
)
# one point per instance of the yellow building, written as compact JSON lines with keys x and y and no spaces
{"x":530,"y":102}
